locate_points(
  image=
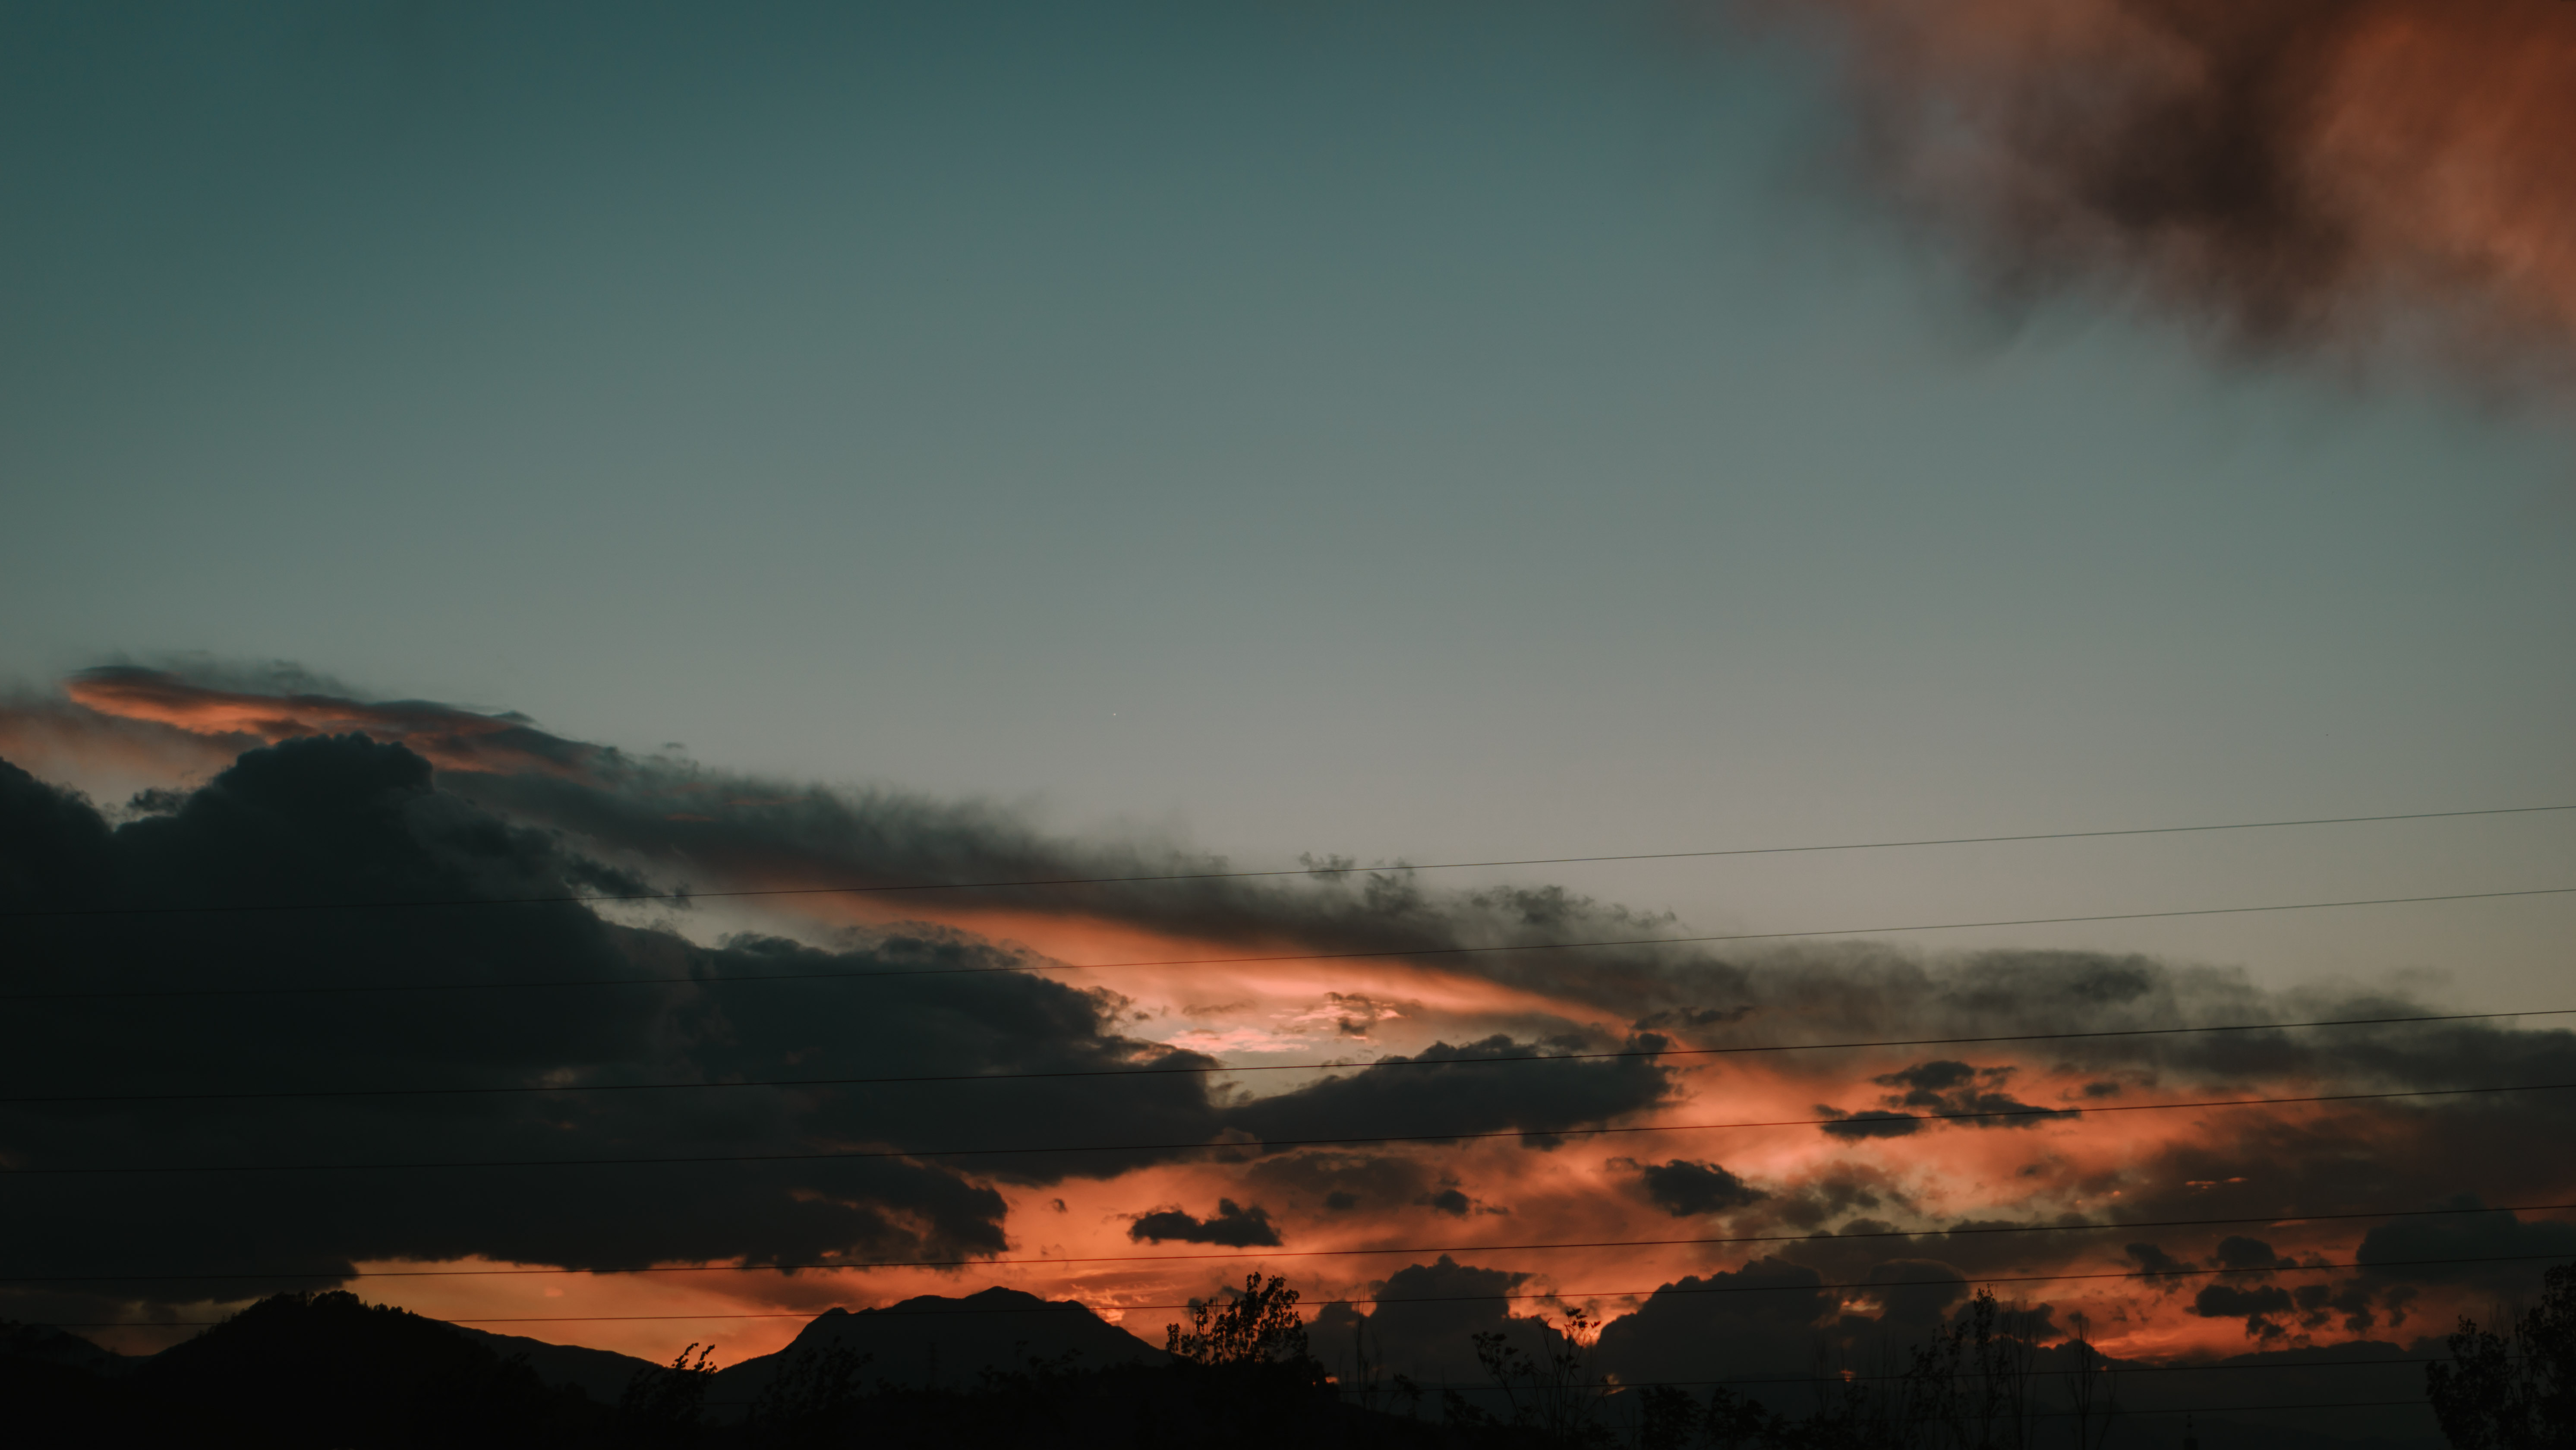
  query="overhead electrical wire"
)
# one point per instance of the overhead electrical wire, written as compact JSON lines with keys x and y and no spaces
{"x":1329,"y":869}
{"x":1265,"y":1254}
{"x":266,"y":1095}
{"x":2101,"y":1368}
{"x":2106,"y":1414}
{"x":1384,"y":953}
{"x":1874,"y":1126}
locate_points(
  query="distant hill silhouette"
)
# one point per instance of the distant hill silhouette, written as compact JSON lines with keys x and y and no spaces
{"x":58,"y":1388}
{"x":602,"y":1374}
{"x":293,"y":1372}
{"x":997,"y":1367}
{"x":44,"y":1344}
{"x":931,"y":1342}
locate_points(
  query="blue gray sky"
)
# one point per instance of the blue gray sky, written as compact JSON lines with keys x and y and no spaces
{"x":1405,"y":430}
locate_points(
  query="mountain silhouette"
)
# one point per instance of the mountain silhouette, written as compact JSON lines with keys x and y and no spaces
{"x":931,"y":1342}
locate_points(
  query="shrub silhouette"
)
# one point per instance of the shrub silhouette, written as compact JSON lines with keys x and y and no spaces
{"x":664,"y":1406}
{"x":1553,"y":1394}
{"x":813,"y":1400}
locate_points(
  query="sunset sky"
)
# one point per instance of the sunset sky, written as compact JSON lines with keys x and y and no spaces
{"x":727,"y":449}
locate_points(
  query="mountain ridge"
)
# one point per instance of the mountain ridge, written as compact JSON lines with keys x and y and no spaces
{"x":933,"y":1341}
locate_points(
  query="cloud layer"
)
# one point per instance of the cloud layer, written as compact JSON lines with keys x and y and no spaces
{"x":274,"y":800}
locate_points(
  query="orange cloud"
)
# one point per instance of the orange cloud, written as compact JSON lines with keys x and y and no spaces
{"x":1578,"y":1191}
{"x":449,"y":737}
{"x":2339,"y":172}
{"x":1516,"y":1194}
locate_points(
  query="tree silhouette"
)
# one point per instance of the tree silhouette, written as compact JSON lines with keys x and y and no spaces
{"x":2515,"y":1390}
{"x":1250,"y":1378}
{"x":1260,"y":1327}
{"x":1554,"y":1393}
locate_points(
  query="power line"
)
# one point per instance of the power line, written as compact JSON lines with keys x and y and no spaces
{"x":1265,"y":1254}
{"x":2106,"y":1414}
{"x":1374,"y":953}
{"x":2119,"y":1369}
{"x":1328,"y":870}
{"x":1560,"y":1296}
{"x":1875,"y":1126}
{"x":1218,"y":1069}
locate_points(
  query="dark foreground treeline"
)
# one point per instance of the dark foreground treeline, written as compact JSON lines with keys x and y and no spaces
{"x":326,"y":1371}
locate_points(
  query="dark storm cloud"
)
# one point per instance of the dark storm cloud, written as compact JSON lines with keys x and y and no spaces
{"x":2482,"y":1244}
{"x":676,"y":823}
{"x":1450,"y":1097}
{"x":1859,"y":990}
{"x":1424,"y":1322}
{"x":1838,"y":1190}
{"x":684,"y":825}
{"x":1373,"y":1184}
{"x":2261,"y":1306}
{"x":1914,"y":1297}
{"x":2152,"y":1259}
{"x":673,"y":823}
{"x":2342,"y":174}
{"x":343,"y":818}
{"x":1686,"y":1188}
{"x":1341,"y":1182}
{"x":2236,"y":1251}
{"x":1926,"y":1079}
{"x":1759,"y":1319}
{"x":2259,"y":1165}
{"x":1450,"y":1201}
{"x":1947,"y":1089}
{"x":1232,"y":1225}
{"x":2265,"y":1307}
